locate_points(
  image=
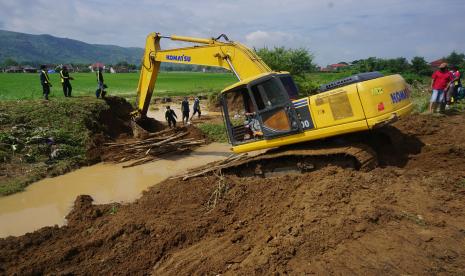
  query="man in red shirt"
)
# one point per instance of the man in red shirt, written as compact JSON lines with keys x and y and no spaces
{"x":440,"y":81}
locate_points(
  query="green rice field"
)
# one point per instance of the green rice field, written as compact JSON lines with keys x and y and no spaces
{"x":27,"y":86}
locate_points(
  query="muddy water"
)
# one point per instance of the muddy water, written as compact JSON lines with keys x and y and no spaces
{"x":46,"y":203}
{"x":159,"y":112}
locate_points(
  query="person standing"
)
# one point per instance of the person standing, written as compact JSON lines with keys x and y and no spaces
{"x":65,"y":81}
{"x":196,"y":107}
{"x":449,"y":94}
{"x":456,"y":78}
{"x":440,"y":81}
{"x":45,"y":81}
{"x":185,"y":110}
{"x":100,"y":83}
{"x":170,"y":117}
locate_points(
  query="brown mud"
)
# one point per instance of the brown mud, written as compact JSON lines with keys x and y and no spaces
{"x":113,"y":123}
{"x":404,"y":217}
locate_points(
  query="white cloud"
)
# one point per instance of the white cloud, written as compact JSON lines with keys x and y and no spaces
{"x":332,"y":30}
{"x":261,"y":39}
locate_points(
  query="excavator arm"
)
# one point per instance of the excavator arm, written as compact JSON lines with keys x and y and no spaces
{"x":233,"y":56}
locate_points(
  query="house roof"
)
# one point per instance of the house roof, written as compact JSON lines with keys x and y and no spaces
{"x":438,"y":62}
{"x":337,"y":65}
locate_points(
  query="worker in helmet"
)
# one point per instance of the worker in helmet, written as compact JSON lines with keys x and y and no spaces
{"x":65,"y":81}
{"x":45,"y":81}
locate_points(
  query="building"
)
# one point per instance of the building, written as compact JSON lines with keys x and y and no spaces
{"x":337,"y":66}
{"x":29,"y":69}
{"x":435,"y":64}
{"x":333,"y":67}
{"x":14,"y":69}
{"x":120,"y":69}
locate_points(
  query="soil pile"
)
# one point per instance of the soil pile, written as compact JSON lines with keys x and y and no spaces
{"x":404,"y":217}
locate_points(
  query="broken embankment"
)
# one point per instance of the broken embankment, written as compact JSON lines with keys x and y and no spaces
{"x":73,"y":128}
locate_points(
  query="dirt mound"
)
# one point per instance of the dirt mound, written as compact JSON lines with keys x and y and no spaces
{"x":404,"y":217}
{"x":151,"y":125}
{"x":195,"y":133}
{"x":116,"y":119}
{"x":112,"y":122}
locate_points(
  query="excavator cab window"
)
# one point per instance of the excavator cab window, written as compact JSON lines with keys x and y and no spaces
{"x":258,"y":99}
{"x":268,"y":94}
{"x":260,"y":110}
{"x":240,"y":116}
{"x":276,"y":114}
{"x":290,"y":86}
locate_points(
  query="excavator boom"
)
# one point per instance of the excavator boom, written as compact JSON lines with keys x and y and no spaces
{"x":233,"y":56}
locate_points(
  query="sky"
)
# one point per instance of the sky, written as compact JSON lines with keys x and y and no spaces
{"x":332,"y":30}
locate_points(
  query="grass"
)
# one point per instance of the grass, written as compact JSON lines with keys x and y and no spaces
{"x":214,"y":131}
{"x":459,"y":106}
{"x":24,"y":127}
{"x":322,"y":78}
{"x":27,"y":86}
{"x":420,"y":94}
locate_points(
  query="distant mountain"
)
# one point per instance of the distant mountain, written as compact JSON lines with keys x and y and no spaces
{"x":37,"y":49}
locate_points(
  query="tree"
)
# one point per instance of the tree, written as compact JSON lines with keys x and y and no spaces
{"x":10,"y":62}
{"x":295,"y":61}
{"x":367,"y":65}
{"x":456,"y":59}
{"x":393,"y":65}
{"x":122,"y":64}
{"x":397,"y":65}
{"x":420,"y":66}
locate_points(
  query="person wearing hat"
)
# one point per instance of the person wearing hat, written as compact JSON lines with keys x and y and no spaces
{"x":440,"y":81}
{"x":65,"y":81}
{"x":45,"y":81}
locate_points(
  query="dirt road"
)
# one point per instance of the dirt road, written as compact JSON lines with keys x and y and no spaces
{"x":404,"y":217}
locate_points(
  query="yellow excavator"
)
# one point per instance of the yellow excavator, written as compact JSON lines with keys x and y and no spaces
{"x":262,"y":110}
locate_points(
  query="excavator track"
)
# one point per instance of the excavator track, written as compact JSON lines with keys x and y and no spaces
{"x":294,"y":159}
{"x":301,"y":159}
{"x":365,"y":156}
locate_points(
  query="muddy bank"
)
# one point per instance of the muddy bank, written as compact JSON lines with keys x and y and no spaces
{"x":47,"y":202}
{"x":404,"y":217}
{"x":40,"y":139}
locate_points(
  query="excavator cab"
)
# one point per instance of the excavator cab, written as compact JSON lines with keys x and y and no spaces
{"x":260,"y":108}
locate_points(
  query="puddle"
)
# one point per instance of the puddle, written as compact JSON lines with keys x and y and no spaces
{"x":47,"y":202}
